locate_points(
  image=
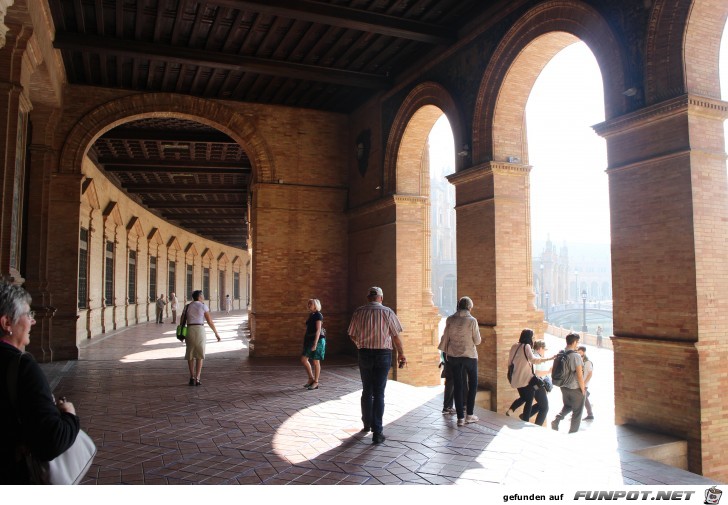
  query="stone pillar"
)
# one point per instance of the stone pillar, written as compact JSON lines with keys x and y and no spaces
{"x":669,"y":219}
{"x":413,"y":298}
{"x":14,"y":108}
{"x":42,"y":160}
{"x":494,"y":265}
{"x":65,"y":201}
{"x":299,"y":252}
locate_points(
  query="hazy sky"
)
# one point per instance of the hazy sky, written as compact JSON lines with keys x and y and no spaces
{"x":569,"y":191}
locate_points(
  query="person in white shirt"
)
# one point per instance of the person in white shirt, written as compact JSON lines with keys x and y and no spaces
{"x":196,"y":313}
{"x":588,"y":371}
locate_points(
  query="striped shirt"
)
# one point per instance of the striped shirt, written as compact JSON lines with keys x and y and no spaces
{"x":373,"y":325}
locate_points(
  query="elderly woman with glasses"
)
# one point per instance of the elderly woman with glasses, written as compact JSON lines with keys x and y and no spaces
{"x":35,"y":427}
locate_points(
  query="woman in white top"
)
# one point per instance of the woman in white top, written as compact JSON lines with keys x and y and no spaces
{"x":196,"y":313}
{"x":523,"y":359}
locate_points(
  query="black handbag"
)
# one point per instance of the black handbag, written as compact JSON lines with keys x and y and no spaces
{"x":511,"y":366}
{"x":537,"y":382}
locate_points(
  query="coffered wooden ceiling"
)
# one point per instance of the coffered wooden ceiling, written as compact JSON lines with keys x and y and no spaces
{"x":327,"y":55}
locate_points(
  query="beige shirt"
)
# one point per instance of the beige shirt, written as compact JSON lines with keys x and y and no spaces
{"x":521,"y":364}
{"x":461,"y":335}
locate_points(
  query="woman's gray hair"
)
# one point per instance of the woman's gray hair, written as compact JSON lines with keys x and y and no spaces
{"x":315,"y":302}
{"x":465,"y":303}
{"x":12,"y":298}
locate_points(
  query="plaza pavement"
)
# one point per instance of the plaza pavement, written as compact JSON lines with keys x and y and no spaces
{"x":252,"y":422}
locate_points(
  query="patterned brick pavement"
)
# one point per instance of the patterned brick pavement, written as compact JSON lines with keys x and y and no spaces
{"x":251,"y":422}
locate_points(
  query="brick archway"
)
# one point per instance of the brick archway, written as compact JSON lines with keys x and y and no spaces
{"x":112,"y":114}
{"x":682,"y":49}
{"x":407,"y":179}
{"x":527,"y":47}
{"x":414,"y":120}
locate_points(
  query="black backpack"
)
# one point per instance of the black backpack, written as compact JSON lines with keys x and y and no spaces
{"x":560,"y":372}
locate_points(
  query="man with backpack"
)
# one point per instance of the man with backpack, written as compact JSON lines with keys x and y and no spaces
{"x":568,"y":374}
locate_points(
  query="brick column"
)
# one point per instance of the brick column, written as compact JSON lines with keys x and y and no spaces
{"x":65,"y":191}
{"x":494,"y":265}
{"x":413,"y":298}
{"x":669,"y":219}
{"x":299,"y":252}
{"x":13,"y":123}
{"x":42,"y":160}
{"x":389,"y":247}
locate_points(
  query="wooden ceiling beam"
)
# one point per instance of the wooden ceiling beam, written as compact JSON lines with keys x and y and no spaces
{"x":183,"y":189}
{"x":346,"y":17}
{"x":147,"y":51}
{"x":172,"y":166}
{"x":167,"y":135}
{"x":197,"y":205}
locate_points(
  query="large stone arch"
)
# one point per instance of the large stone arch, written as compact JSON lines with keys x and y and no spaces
{"x":414,"y":120}
{"x":130,"y":108}
{"x":407,"y":180}
{"x":517,"y":62}
{"x":682,"y":49}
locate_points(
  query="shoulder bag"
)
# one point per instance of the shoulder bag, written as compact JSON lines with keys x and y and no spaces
{"x":511,"y":366}
{"x":67,"y":468}
{"x":182,"y":326}
{"x":536,"y":382}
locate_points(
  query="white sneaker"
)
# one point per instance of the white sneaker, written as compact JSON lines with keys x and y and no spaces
{"x":471,"y":419}
{"x":461,"y":422}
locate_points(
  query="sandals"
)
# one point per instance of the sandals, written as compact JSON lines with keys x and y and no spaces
{"x":311,"y":387}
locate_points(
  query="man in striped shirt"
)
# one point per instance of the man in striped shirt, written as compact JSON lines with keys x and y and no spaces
{"x":374,"y":328}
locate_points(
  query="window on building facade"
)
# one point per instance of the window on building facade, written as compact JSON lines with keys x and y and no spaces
{"x":83,"y":269}
{"x":236,"y":285}
{"x":221,"y":289}
{"x":109,"y":274}
{"x":171,"y":275}
{"x":206,"y":282}
{"x":131,"y":284}
{"x":190,"y":282}
{"x":152,"y":278}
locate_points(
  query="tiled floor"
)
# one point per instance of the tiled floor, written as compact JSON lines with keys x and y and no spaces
{"x":251,"y":422}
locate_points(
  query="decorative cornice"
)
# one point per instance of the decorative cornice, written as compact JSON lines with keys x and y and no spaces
{"x":661,"y":111}
{"x":191,"y":250}
{"x":487,"y":169}
{"x":385,"y":203}
{"x":155,"y":237}
{"x":661,"y":159}
{"x":173,"y":244}
{"x":134,"y":227}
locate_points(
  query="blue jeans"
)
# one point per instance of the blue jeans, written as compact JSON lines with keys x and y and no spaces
{"x":462,"y":368}
{"x":374,"y":365}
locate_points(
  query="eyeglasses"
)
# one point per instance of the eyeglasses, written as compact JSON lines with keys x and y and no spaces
{"x":30,"y":314}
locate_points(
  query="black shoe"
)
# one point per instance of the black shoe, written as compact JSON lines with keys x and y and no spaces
{"x":197,"y":382}
{"x":192,"y":381}
{"x":365,"y":429}
{"x":555,"y":424}
{"x":378,"y":438}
